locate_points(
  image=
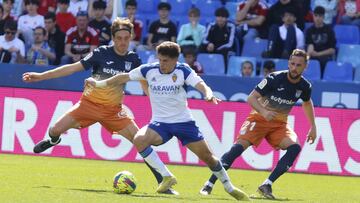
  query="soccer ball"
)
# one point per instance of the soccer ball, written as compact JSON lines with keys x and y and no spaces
{"x":124,"y":182}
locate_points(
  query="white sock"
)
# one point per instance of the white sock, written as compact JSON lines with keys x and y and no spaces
{"x":210,"y":184}
{"x":267,"y":182}
{"x":224,"y":178}
{"x":154,"y":161}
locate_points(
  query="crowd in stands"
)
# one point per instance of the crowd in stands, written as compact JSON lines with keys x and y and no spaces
{"x":263,"y":32}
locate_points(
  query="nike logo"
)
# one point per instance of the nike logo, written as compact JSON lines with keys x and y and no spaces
{"x":109,"y":62}
{"x":280,"y":89}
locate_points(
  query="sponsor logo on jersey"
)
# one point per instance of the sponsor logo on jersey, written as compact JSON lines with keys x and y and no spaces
{"x":282,"y":101}
{"x":111,"y":71}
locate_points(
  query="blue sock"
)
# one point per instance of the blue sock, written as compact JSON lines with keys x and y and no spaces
{"x":285,"y":162}
{"x":146,"y":153}
{"x":228,"y":159}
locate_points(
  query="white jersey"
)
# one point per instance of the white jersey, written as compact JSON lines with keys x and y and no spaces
{"x":167,"y":91}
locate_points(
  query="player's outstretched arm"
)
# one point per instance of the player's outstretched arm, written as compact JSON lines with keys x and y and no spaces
{"x":207,"y":92}
{"x":308,"y":107}
{"x":54,"y":73}
{"x":117,"y":79}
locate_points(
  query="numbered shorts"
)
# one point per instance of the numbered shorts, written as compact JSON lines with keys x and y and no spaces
{"x":256,"y":128}
{"x":186,"y":132}
{"x":113,"y":118}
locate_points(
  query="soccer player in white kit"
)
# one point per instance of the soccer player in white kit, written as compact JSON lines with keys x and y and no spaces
{"x":170,"y":113}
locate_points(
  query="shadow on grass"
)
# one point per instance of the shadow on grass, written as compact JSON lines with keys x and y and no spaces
{"x":277,"y":199}
{"x":135,"y":195}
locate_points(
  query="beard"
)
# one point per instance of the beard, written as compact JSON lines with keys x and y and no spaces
{"x":294,"y":77}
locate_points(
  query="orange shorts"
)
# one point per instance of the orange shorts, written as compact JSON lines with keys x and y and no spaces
{"x":255,"y":128}
{"x":113,"y":118}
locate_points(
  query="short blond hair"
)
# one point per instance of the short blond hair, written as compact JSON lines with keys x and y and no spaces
{"x":122,"y":24}
{"x":300,"y":53}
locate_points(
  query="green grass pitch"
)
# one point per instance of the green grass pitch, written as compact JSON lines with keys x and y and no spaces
{"x":49,"y":179}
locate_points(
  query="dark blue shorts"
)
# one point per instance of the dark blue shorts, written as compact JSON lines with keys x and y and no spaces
{"x":186,"y":132}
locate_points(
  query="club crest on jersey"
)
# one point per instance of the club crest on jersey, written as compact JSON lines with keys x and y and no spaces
{"x":128,"y":65}
{"x":298,"y":93}
{"x":174,"y":77}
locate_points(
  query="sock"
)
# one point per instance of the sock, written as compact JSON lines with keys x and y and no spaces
{"x":54,"y":139}
{"x":228,"y":159}
{"x":154,"y":161}
{"x":157,"y":175}
{"x":285,"y":162}
{"x":267,"y":182}
{"x":221,"y":174}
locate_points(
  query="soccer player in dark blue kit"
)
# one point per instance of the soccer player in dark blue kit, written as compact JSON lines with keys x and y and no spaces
{"x":103,"y":105}
{"x":271,"y":101}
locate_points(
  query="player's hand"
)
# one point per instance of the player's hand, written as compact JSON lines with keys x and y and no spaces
{"x":32,"y":77}
{"x":90,"y":82}
{"x":213,"y":100}
{"x":311,"y":135}
{"x":269,"y":115}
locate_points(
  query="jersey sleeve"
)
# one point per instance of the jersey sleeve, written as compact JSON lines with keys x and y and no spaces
{"x":137,"y":74}
{"x":266,"y":85}
{"x":91,"y":59}
{"x":191,"y":78}
{"x":306,"y":95}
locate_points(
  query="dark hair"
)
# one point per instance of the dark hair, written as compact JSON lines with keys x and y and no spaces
{"x":99,"y":4}
{"x":300,"y":53}
{"x":11,"y":25}
{"x":82,"y":13}
{"x":1,"y":8}
{"x":50,"y":15}
{"x":290,"y":10}
{"x":36,"y":2}
{"x":319,"y":10}
{"x":12,"y":1}
{"x":189,"y":50}
{"x":164,"y":5}
{"x":194,"y":11}
{"x":64,"y":1}
{"x":249,"y":62}
{"x":42,"y":29}
{"x":168,"y":48}
{"x":269,"y":64}
{"x":131,"y":3}
{"x":222,"y":12}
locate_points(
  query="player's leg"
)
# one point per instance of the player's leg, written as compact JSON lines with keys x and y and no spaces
{"x":202,"y":150}
{"x":287,"y":141}
{"x":150,"y":135}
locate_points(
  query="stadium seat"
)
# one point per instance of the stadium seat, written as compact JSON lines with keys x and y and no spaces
{"x":313,"y":71}
{"x":147,"y":6}
{"x":254,"y":48}
{"x":349,"y":53}
{"x":180,"y":7}
{"x":232,"y":8}
{"x":144,"y":55}
{"x":341,"y":72}
{"x":357,"y":75}
{"x":208,"y":7}
{"x":213,"y":64}
{"x":346,"y":34}
{"x":234,"y":65}
{"x":280,"y":64}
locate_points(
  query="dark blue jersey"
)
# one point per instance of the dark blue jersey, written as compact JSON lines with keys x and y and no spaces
{"x":105,"y":62}
{"x":279,"y":94}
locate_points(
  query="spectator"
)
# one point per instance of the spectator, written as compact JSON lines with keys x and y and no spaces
{"x":40,"y":52}
{"x":27,"y":23}
{"x":76,"y":6}
{"x":13,"y":8}
{"x":190,"y":56}
{"x":285,"y":38}
{"x":320,"y":39}
{"x":100,"y":23}
{"x":47,"y":6}
{"x":12,"y":49}
{"x":80,"y":40}
{"x":2,"y":21}
{"x":55,"y":37}
{"x":130,"y":8}
{"x":219,"y":37}
{"x":247,"y":69}
{"x":163,"y":29}
{"x":331,"y":7}
{"x":274,"y":16}
{"x":8,"y":6}
{"x":108,"y":10}
{"x":349,"y":12}
{"x":192,"y":33}
{"x":250,"y":20}
{"x":268,"y":67}
{"x":64,"y":19}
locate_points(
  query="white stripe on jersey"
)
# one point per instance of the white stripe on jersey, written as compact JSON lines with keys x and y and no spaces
{"x":167,"y":91}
